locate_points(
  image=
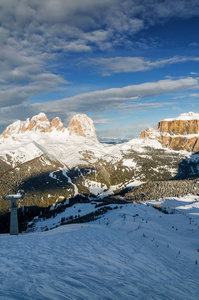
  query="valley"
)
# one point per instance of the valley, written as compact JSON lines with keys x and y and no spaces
{"x":50,"y":164}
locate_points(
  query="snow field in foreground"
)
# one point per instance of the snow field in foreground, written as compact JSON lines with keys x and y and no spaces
{"x":133,"y":252}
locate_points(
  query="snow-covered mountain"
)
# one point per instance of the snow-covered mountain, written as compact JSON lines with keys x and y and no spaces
{"x":180,"y":133}
{"x":24,"y":141}
{"x":50,"y":162}
{"x":38,"y":123}
{"x":81,"y":125}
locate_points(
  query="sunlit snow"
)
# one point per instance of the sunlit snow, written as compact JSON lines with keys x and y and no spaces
{"x":132,"y":252}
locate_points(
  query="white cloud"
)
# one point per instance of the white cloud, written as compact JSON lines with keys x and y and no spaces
{"x":34,"y":33}
{"x":194,"y":95}
{"x":39,"y":84}
{"x":110,"y":98}
{"x":97,"y":101}
{"x":100,"y":101}
{"x":135,"y":106}
{"x":179,"y":97}
{"x":109,"y":66}
{"x":102,"y":121}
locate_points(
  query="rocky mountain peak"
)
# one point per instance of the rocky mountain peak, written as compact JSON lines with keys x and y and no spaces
{"x":149,"y":133}
{"x":82,"y":125}
{"x":39,"y":122}
{"x":40,"y":117}
{"x":180,"y":133}
{"x":57,"y":124}
{"x":14,"y":128}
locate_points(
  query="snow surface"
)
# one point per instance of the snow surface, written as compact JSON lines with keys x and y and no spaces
{"x":187,"y":136}
{"x":140,"y":144}
{"x":132,"y":252}
{"x":129,"y":163}
{"x":17,"y":196}
{"x":95,"y":187}
{"x":186,"y":116}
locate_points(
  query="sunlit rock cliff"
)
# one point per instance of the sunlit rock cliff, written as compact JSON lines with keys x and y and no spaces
{"x":181,"y":133}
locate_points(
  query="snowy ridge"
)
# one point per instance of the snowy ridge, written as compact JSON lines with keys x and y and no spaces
{"x":80,"y":125}
{"x":37,"y":123}
{"x":187,"y":136}
{"x":72,"y":151}
{"x":65,"y":148}
{"x":185,"y":117}
{"x":140,"y":144}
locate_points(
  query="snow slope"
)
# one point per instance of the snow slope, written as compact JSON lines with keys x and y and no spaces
{"x":185,"y":117}
{"x":65,"y":148}
{"x":133,"y":252}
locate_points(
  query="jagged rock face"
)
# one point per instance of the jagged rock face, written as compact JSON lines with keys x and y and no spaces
{"x":57,"y":124}
{"x":37,"y":123}
{"x":149,"y":133}
{"x":82,"y":125}
{"x":183,"y":127}
{"x":196,"y":146}
{"x":181,"y":143}
{"x":40,"y":123}
{"x":181,"y":133}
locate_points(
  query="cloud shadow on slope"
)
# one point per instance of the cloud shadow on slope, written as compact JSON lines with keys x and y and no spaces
{"x":188,"y":168}
{"x":55,"y":180}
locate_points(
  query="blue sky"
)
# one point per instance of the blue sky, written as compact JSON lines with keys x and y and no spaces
{"x":126,"y":64}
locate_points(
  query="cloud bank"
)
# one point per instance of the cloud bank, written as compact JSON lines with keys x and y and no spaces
{"x":109,"y":66}
{"x":101,"y":101}
{"x":34,"y":34}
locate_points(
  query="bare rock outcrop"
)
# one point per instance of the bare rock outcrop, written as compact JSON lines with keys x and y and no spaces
{"x":181,"y":133}
{"x":38,"y":123}
{"x":57,"y":124}
{"x":81,"y":125}
{"x":150,"y":133}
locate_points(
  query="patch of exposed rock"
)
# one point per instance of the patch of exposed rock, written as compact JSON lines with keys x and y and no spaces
{"x":57,"y":124}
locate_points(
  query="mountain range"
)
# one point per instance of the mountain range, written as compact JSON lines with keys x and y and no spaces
{"x":51,"y":163}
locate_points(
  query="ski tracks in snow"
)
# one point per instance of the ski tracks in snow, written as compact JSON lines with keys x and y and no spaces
{"x":64,"y":172}
{"x":96,"y":261}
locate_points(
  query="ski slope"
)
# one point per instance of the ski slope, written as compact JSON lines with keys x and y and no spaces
{"x":132,"y":252}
